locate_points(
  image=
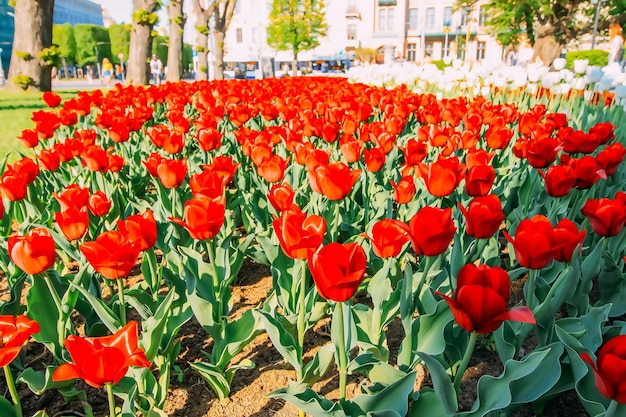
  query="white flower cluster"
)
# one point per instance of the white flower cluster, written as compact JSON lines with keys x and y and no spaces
{"x":480,"y":77}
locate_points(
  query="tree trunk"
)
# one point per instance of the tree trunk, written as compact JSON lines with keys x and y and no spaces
{"x":546,"y":48}
{"x":175,"y":50}
{"x":294,"y":64}
{"x":65,"y":69}
{"x":201,"y":65}
{"x":33,"y":33}
{"x":141,"y":42}
{"x":218,"y":36}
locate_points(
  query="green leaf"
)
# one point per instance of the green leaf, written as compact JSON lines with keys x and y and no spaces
{"x":587,"y":328}
{"x":315,"y":369}
{"x":153,"y":328}
{"x":110,"y":320}
{"x":427,"y":330}
{"x":611,"y":287}
{"x":308,"y":401}
{"x":237,"y":335}
{"x":13,"y":307}
{"x":427,"y":403}
{"x":41,"y":308}
{"x":6,"y":408}
{"x":441,"y":382}
{"x":41,"y":381}
{"x":214,"y":377}
{"x":393,"y":400}
{"x":282,"y":337}
{"x":521,"y":381}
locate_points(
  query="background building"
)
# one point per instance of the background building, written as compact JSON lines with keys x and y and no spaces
{"x":7,"y":27}
{"x":65,"y":11}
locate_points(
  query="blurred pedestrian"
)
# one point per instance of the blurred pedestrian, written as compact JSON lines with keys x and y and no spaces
{"x":107,"y":71}
{"x":156,"y":68}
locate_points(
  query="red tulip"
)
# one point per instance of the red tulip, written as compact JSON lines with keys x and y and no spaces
{"x":479,"y":180}
{"x":29,"y":138}
{"x":389,"y":237}
{"x":14,"y":332}
{"x":95,"y":159}
{"x":350,"y":148}
{"x":204,"y":217}
{"x":442,"y":177}
{"x":541,"y":153}
{"x":480,"y":300}
{"x":374,"y":159}
{"x":172,"y":172}
{"x":611,"y":157}
{"x":14,"y":185}
{"x":224,"y":167}
{"x":25,"y":166}
{"x":140,"y":229}
{"x":152,"y":163}
{"x":49,"y":159}
{"x":298,"y":233}
{"x":209,"y":138}
{"x":72,"y":196}
{"x":483,"y":216}
{"x":610,"y":368}
{"x":335,"y":180}
{"x":404,"y":191}
{"x":534,"y":243}
{"x":208,"y":183}
{"x":559,"y":179}
{"x":338,"y":270}
{"x":99,"y":204}
{"x":568,"y":237}
{"x":51,"y":99}
{"x":281,"y":197}
{"x":33,"y":253}
{"x":73,"y":222}
{"x":606,"y":216}
{"x":111,"y":254}
{"x":273,"y":168}
{"x":102,"y":360}
{"x":431,"y":230}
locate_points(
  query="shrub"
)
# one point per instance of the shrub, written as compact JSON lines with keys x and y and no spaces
{"x":594,"y":56}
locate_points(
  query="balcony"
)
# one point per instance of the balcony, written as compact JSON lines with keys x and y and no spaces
{"x":353,"y":13}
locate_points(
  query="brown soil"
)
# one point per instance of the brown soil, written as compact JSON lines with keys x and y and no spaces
{"x":190,"y":396}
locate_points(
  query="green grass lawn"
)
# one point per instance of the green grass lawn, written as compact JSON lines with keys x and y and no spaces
{"x":16,"y":109}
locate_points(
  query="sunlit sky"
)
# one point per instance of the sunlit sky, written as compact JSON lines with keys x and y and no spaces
{"x":121,"y":10}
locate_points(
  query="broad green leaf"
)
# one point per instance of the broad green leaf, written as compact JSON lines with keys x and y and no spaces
{"x":237,"y":335}
{"x":214,"y":377}
{"x":441,"y":382}
{"x":427,"y":403}
{"x":315,"y":369}
{"x":282,"y":338}
{"x":6,"y":408}
{"x":308,"y":401}
{"x":41,"y":381}
{"x":110,"y":320}
{"x":521,"y":382}
{"x":41,"y":308}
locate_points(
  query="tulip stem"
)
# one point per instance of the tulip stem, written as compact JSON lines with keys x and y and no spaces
{"x":111,"y":400}
{"x":173,"y":197}
{"x":13,"y":390}
{"x":342,"y":355}
{"x":530,"y":289}
{"x":428,"y":261}
{"x":334,"y":235}
{"x":302,"y":307}
{"x":465,"y":361}
{"x":120,"y":293}
{"x":610,"y":412}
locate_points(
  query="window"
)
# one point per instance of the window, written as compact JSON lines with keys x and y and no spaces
{"x":382,"y":19}
{"x":464,"y":16}
{"x":390,"y":18}
{"x":411,"y":52}
{"x":447,"y":16}
{"x":428,"y":48}
{"x":239,"y":35}
{"x":430,"y":17}
{"x":351,"y":32}
{"x":481,"y":48}
{"x":483,"y":15}
{"x":412,"y":19}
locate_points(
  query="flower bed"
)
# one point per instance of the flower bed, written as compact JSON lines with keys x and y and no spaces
{"x":368,"y":205}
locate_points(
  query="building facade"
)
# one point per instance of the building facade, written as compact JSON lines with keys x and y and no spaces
{"x":7,"y":27}
{"x":77,"y":11}
{"x":406,"y":30}
{"x":65,"y":11}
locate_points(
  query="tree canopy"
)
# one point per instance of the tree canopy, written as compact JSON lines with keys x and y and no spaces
{"x":63,"y":37}
{"x":93,"y":44}
{"x":296,"y":25}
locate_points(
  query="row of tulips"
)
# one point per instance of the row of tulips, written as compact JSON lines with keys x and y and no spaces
{"x":349,"y":193}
